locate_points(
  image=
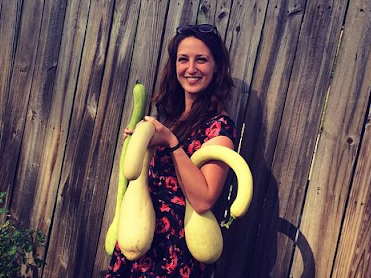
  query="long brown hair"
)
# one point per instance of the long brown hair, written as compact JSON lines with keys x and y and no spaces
{"x":170,"y":100}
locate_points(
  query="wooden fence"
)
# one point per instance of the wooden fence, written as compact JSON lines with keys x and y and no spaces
{"x":302,"y":70}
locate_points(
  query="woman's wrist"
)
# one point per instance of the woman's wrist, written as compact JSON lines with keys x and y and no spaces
{"x":173,"y":145}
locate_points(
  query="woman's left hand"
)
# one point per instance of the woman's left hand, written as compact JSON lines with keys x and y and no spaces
{"x":163,"y":136}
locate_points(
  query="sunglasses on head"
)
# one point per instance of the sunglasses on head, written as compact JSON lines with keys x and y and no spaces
{"x":203,"y":28}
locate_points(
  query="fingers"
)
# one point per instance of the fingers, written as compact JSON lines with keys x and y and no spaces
{"x":151,"y":120}
{"x":127,"y":131}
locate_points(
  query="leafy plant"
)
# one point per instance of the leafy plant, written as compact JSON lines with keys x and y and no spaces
{"x":18,"y":246}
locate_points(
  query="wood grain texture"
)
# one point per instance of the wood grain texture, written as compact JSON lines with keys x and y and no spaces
{"x":222,"y":16}
{"x":10,"y":12}
{"x":24,"y":200}
{"x":339,"y":142}
{"x":301,"y":118}
{"x":243,"y":36}
{"x":115,"y":80}
{"x":206,"y":11}
{"x":80,"y":203}
{"x":353,"y":253}
{"x":13,"y":119}
{"x":263,"y":115}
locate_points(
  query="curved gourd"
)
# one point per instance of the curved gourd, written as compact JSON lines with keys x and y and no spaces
{"x":139,"y":105}
{"x":135,"y":152}
{"x":137,"y":219}
{"x":202,"y":231}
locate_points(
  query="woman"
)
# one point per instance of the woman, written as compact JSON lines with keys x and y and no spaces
{"x":190,"y":103}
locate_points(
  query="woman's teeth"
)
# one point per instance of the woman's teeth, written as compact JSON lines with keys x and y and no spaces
{"x":193,"y":78}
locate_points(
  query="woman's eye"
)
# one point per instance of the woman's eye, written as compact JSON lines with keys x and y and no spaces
{"x":182,"y":59}
{"x":202,"y":60}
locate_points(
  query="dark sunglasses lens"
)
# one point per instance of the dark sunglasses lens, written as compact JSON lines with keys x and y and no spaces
{"x":203,"y":28}
{"x":206,"y":28}
{"x":184,"y":28}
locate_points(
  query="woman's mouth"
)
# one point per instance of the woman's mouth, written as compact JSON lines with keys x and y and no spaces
{"x":192,"y":79}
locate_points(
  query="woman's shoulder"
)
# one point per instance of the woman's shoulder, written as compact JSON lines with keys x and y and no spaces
{"x":220,"y":125}
{"x":223,"y":118}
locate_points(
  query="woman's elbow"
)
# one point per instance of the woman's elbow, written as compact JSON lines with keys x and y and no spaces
{"x":202,"y":207}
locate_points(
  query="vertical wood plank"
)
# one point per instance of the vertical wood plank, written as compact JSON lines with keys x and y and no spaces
{"x":222,"y":16}
{"x":243,"y":36}
{"x":26,"y":185}
{"x":353,"y":255}
{"x":206,"y":11}
{"x":14,"y":116}
{"x":215,"y":12}
{"x":263,"y":115}
{"x":339,"y":142}
{"x":298,"y":131}
{"x":56,"y":124}
{"x":10,"y":12}
{"x":79,"y":207}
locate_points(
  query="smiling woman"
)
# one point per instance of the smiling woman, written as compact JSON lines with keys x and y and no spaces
{"x":191,"y":114}
{"x":195,"y":66}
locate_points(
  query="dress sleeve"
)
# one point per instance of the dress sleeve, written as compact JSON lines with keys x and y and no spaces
{"x":222,"y":125}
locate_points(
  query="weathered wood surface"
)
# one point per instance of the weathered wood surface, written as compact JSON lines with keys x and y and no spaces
{"x":301,"y":117}
{"x":353,"y":252}
{"x":68,"y":70}
{"x":18,"y":92}
{"x":9,"y":24}
{"x":338,"y":143}
{"x":263,"y":115}
{"x":84,"y":180}
{"x":242,"y":40}
{"x":29,"y":200}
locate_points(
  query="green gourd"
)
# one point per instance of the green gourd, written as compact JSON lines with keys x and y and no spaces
{"x":139,"y":105}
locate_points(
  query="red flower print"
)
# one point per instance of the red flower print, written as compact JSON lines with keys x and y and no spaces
{"x":173,"y":260}
{"x":185,"y":271}
{"x":165,"y":159}
{"x":171,"y":182}
{"x":224,"y":121}
{"x":145,"y":263}
{"x":178,"y":200}
{"x":117,"y":266}
{"x":213,"y":130}
{"x":194,"y":146}
{"x":164,"y":208}
{"x":152,"y":163}
{"x":162,"y":225}
{"x":181,"y":233}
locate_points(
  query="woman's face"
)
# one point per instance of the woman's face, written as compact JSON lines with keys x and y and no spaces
{"x":195,"y":65}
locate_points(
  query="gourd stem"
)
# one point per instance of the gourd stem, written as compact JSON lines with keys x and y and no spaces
{"x":226,"y":225}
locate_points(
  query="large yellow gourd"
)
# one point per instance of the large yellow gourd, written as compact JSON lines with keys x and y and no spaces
{"x":137,"y":219}
{"x":139,"y":104}
{"x":202,"y":232}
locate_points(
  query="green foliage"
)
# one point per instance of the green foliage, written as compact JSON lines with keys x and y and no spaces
{"x":18,"y":246}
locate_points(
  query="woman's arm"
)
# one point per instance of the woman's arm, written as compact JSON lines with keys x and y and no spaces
{"x":201,"y":187}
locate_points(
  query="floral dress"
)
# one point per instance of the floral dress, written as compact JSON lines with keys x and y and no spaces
{"x":169,"y":255}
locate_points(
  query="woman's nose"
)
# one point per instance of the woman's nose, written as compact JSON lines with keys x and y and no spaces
{"x":192,"y":67}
